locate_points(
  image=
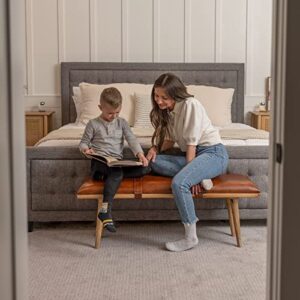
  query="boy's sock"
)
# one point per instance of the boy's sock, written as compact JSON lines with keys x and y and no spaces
{"x":105,"y":217}
{"x":190,"y":239}
{"x":207,"y":184}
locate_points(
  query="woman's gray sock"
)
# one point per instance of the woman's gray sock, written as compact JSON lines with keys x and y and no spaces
{"x":190,"y":239}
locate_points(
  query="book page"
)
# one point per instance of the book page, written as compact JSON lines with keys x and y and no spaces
{"x":113,"y":162}
{"x":124,"y":163}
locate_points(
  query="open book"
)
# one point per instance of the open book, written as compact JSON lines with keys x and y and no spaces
{"x":113,"y":162}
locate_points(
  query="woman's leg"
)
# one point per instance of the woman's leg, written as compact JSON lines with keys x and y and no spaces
{"x":207,"y":165}
{"x":168,"y":165}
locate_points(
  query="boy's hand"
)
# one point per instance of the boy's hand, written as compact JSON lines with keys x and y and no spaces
{"x":151,"y":155}
{"x":89,"y":151}
{"x":143,"y":159}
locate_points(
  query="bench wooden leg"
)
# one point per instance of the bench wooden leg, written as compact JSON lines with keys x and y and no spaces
{"x":236,"y":220}
{"x":230,"y":216}
{"x":99,"y":225}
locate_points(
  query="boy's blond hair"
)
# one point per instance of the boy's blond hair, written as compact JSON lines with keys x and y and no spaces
{"x":111,"y":96}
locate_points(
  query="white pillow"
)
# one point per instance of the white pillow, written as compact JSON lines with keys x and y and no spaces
{"x":216,"y":101}
{"x":90,"y":95}
{"x":77,"y":100}
{"x":143,"y":107}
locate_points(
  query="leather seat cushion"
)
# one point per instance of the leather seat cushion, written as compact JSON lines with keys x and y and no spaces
{"x":149,"y":184}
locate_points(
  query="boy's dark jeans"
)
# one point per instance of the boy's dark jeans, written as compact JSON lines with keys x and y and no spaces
{"x":112,"y":177}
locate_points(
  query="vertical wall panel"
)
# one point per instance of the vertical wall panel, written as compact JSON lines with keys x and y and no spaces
{"x":231,"y":30}
{"x":77,"y":30}
{"x":171,"y":31}
{"x":259,"y":38}
{"x":139,"y":31}
{"x":202,"y":30}
{"x":45,"y":47}
{"x":108,"y":30}
{"x":156,"y":26}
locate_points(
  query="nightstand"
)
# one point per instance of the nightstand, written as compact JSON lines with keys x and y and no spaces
{"x":38,"y":124}
{"x":260,"y":120}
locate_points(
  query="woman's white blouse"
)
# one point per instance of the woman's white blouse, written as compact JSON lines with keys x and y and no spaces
{"x":190,"y":125}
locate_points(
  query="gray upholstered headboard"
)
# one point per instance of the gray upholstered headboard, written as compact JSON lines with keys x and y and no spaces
{"x":226,"y":75}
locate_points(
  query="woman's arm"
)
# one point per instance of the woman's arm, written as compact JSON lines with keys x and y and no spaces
{"x":167,"y":144}
{"x":190,"y":153}
{"x":151,"y":155}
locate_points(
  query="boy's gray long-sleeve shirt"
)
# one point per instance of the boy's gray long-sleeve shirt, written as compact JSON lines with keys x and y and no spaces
{"x":107,"y":138}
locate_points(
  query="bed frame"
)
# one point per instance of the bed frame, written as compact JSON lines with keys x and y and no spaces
{"x":55,"y":173}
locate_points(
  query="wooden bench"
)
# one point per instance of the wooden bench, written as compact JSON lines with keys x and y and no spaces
{"x":231,"y":187}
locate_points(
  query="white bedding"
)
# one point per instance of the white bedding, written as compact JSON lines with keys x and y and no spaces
{"x":145,"y":134}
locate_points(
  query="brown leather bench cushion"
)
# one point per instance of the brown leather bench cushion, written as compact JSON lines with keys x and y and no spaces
{"x":227,"y":183}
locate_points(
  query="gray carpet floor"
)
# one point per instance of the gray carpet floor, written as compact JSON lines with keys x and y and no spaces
{"x":132,"y":263}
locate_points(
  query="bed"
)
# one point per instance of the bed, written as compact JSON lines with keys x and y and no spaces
{"x":55,"y":167}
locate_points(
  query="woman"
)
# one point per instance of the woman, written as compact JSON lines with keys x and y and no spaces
{"x":178,"y":117}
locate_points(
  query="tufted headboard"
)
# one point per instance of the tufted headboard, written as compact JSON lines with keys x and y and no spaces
{"x":226,"y":75}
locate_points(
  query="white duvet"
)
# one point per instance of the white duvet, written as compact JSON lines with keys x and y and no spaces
{"x":144,"y":135}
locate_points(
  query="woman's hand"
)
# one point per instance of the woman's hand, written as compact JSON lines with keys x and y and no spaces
{"x":151,"y":155}
{"x":143,"y":159}
{"x":196,"y":189}
{"x":89,"y":151}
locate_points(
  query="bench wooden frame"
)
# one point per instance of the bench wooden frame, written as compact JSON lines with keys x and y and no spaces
{"x":231,"y":187}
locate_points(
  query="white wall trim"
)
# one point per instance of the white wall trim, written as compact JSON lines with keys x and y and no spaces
{"x":93,"y":31}
{"x":43,"y":95}
{"x":29,"y":48}
{"x":256,"y":95}
{"x":61,"y":30}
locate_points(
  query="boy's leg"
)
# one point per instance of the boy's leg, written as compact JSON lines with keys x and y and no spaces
{"x":112,"y":178}
{"x":134,"y":172}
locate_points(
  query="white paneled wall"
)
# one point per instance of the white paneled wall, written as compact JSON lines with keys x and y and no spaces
{"x":138,"y":31}
{"x":200,"y":31}
{"x":107,"y":30}
{"x":170,"y":31}
{"x":74,"y":30}
{"x":145,"y":31}
{"x":231,"y":20}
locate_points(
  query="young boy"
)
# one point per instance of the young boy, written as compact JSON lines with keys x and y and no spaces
{"x":105,"y":135}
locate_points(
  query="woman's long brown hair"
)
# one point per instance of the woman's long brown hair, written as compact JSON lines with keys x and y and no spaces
{"x":160,"y":118}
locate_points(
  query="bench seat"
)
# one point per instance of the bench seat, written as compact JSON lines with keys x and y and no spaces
{"x":228,"y":186}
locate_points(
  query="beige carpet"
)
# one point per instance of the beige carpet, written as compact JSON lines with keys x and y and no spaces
{"x":132,"y":264}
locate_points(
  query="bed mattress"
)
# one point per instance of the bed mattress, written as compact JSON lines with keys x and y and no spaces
{"x":144,"y":136}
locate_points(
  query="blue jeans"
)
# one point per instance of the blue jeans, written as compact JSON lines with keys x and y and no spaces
{"x":210,"y":161}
